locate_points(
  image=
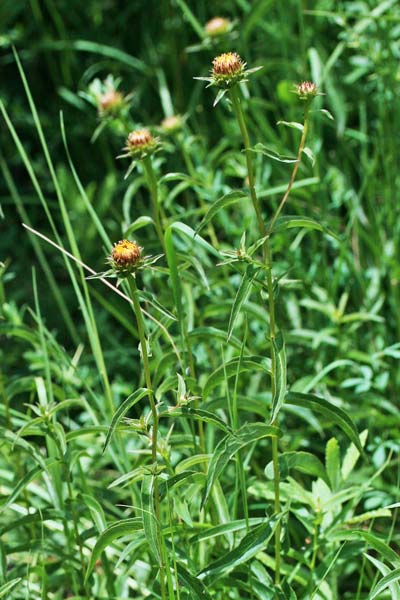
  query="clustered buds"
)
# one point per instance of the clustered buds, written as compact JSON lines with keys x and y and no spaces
{"x":306,"y":90}
{"x":140,"y":143}
{"x":217,"y":26}
{"x":126,"y":257}
{"x":172,"y":124}
{"x":227,"y":69}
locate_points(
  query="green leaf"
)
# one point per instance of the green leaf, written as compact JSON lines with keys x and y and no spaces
{"x":221,"y":93}
{"x":230,"y":198}
{"x":279,"y":354}
{"x":122,"y":410}
{"x":108,"y":536}
{"x":305,"y":462}
{"x":242,"y":294}
{"x":292,"y":124}
{"x":193,"y":585}
{"x":330,"y":411}
{"x":352,"y":455}
{"x":150,"y":524}
{"x":385,"y":571}
{"x":140,"y":222}
{"x":332,"y":462}
{"x":197,"y":414}
{"x":230,"y":445}
{"x":247,"y":363}
{"x":206,"y":333}
{"x":26,"y":480}
{"x":372,"y":541}
{"x":252,"y":543}
{"x":196,"y":239}
{"x":238,"y":525}
{"x":291,"y":222}
{"x":7,"y":587}
{"x":272,"y":153}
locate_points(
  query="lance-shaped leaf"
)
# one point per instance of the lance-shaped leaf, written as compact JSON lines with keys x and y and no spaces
{"x":252,"y":543}
{"x":242,"y":294}
{"x":119,"y":529}
{"x":330,"y":411}
{"x":230,"y":445}
{"x":223,"y":202}
{"x":122,"y":410}
{"x":279,"y":354}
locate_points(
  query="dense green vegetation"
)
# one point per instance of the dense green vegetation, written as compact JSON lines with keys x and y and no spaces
{"x":236,"y":434}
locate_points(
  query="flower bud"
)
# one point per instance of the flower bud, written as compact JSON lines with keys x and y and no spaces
{"x":110,"y":102}
{"x":140,"y":143}
{"x":306,"y":90}
{"x":172,"y":124}
{"x":125,"y":257}
{"x":217,"y":26}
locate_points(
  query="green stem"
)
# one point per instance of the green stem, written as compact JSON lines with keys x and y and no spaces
{"x":294,"y":172}
{"x":237,"y":105}
{"x":153,"y":188}
{"x":146,"y":368}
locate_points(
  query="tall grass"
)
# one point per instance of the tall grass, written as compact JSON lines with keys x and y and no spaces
{"x":235,"y":435}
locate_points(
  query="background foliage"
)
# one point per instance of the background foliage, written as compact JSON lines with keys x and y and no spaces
{"x":69,"y":358}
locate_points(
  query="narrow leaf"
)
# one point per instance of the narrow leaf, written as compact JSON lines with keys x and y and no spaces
{"x":150,"y":524}
{"x":330,"y":411}
{"x":278,"y":350}
{"x":230,"y":445}
{"x":108,"y":536}
{"x":231,"y":198}
{"x":241,"y":296}
{"x":122,"y":410}
{"x":252,"y":543}
{"x":247,"y":363}
{"x":7,"y":587}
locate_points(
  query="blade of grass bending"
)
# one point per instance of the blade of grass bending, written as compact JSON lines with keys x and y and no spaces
{"x":40,"y":254}
{"x":86,"y":305}
{"x":98,"y":224}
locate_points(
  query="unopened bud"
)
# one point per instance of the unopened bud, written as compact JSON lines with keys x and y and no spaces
{"x":217,"y":26}
{"x":140,"y":143}
{"x":110,"y":102}
{"x":306,"y":90}
{"x":172,"y":124}
{"x":125,"y":257}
